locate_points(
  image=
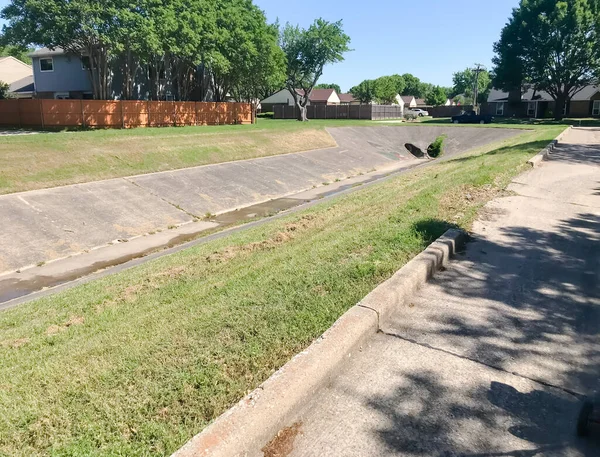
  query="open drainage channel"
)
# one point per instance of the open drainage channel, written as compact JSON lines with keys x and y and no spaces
{"x":14,"y":291}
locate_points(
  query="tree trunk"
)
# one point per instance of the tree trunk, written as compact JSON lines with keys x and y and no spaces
{"x":302,"y":113}
{"x":559,"y":105}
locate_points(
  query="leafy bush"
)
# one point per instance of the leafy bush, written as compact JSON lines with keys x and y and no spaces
{"x":4,"y":88}
{"x":436,"y":149}
{"x":410,"y":116}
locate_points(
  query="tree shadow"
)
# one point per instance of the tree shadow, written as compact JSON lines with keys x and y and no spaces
{"x":525,"y":303}
{"x":588,"y":154}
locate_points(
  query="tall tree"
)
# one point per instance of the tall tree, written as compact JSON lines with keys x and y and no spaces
{"x":551,"y":45}
{"x":265,"y":73}
{"x":399,"y":83}
{"x":335,"y":87}
{"x":413,"y":86}
{"x":386,"y":90}
{"x":80,"y":27}
{"x":18,"y":52}
{"x":437,"y":96}
{"x":364,"y":92}
{"x":307,"y":52}
{"x":464,"y":83}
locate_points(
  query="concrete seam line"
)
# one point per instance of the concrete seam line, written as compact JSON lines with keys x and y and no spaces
{"x":248,"y":426}
{"x":544,"y":153}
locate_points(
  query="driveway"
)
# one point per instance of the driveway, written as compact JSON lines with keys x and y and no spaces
{"x":493,"y":356}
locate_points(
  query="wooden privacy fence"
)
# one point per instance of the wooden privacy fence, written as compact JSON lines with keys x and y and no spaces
{"x":41,"y":113}
{"x":372,"y":112}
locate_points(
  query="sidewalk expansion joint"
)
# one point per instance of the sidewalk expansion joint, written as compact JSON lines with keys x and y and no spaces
{"x":479,"y":362}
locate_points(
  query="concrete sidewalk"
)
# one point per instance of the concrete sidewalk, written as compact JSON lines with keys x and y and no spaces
{"x":492,"y":356}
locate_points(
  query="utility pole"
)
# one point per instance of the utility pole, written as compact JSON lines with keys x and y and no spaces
{"x":478,"y":69}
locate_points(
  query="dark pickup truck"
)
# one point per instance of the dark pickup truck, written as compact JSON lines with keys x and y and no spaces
{"x":471,"y":117}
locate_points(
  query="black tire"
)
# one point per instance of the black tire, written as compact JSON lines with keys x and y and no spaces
{"x":583,"y":421}
{"x":456,"y":122}
{"x":421,"y":114}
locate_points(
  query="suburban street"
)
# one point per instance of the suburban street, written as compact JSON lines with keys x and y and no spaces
{"x":493,"y":356}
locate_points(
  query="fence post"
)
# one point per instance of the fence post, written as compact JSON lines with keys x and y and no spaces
{"x":148,"y":111}
{"x":42,"y":112}
{"x":82,"y":113}
{"x":122,"y":114}
{"x":174,"y":114}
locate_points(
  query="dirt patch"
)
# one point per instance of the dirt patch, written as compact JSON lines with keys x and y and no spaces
{"x":56,"y":329}
{"x":15,"y":344}
{"x":283,"y":443}
{"x":455,"y":203}
{"x":289,"y":233}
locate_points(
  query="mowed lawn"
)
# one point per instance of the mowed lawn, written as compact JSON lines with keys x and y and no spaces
{"x":137,"y":363}
{"x":45,"y":160}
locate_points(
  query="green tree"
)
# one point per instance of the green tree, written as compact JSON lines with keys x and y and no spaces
{"x":413,"y":86}
{"x":464,"y":83}
{"x":265,"y":73}
{"x":386,"y":90}
{"x":437,"y":96}
{"x":552,"y":46}
{"x":399,"y":83}
{"x":18,"y":52}
{"x":307,"y":51}
{"x":364,"y":92}
{"x":335,"y":87}
{"x":4,"y":90}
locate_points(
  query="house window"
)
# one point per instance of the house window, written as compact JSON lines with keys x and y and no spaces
{"x":47,"y":64}
{"x":61,"y":95}
{"x":531,"y":111}
{"x":85,"y":63}
{"x":596,"y":108}
{"x":500,"y":109}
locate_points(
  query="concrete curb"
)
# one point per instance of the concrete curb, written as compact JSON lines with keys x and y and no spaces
{"x":536,"y":160}
{"x":246,"y":428}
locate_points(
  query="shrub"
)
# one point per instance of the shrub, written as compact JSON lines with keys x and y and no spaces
{"x":4,"y":88}
{"x":436,"y":149}
{"x":410,"y":117}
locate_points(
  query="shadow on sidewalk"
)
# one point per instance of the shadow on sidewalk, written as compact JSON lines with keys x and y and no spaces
{"x":528,"y":304}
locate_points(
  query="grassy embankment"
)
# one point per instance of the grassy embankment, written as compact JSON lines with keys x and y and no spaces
{"x":138,"y":362}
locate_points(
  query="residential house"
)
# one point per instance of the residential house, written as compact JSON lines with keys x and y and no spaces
{"x":421,"y":103}
{"x":60,"y":75}
{"x":348,"y":99}
{"x":284,"y":97}
{"x":18,"y":75}
{"x":409,"y":101}
{"x":539,"y":104}
{"x":449,"y":102}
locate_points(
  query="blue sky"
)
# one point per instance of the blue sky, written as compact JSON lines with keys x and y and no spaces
{"x":429,"y":38}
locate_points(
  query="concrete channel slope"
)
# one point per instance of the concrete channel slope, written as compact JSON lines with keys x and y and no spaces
{"x":493,"y":356}
{"x":50,"y":224}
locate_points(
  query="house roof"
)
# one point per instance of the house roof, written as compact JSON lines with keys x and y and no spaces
{"x":46,"y":52}
{"x":407,"y":98}
{"x":22,"y":85}
{"x":2,"y":59}
{"x":346,"y":98}
{"x":318,"y":95}
{"x":420,"y":102}
{"x":585,"y":94}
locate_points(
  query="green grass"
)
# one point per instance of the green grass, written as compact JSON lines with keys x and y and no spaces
{"x":138,"y":362}
{"x":46,"y":160}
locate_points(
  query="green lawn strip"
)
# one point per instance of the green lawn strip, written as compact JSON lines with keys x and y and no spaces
{"x":29,"y":162}
{"x":138,"y":362}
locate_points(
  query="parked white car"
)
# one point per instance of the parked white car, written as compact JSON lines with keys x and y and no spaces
{"x":418,"y":112}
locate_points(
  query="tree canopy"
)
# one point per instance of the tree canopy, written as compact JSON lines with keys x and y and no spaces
{"x":464,"y":84}
{"x":550,"y":45}
{"x":335,"y":87}
{"x":364,"y":92}
{"x":206,"y":46}
{"x":437,"y":96}
{"x":386,"y":90}
{"x":307,"y":51}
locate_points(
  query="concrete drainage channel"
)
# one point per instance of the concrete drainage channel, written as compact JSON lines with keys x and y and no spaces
{"x":52,"y":277}
{"x":257,"y":419}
